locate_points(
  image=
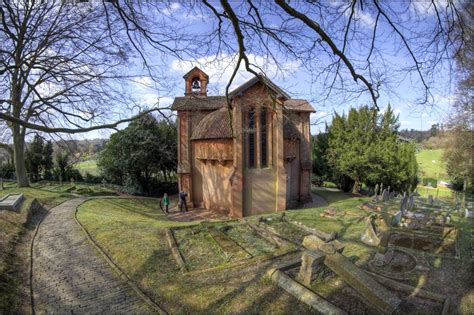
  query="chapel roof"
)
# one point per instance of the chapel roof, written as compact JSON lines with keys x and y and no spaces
{"x":215,"y":125}
{"x":200,"y":102}
{"x":195,"y":102}
{"x":266,"y":81}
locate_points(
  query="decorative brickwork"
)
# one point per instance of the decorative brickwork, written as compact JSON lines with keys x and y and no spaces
{"x":248,"y":154}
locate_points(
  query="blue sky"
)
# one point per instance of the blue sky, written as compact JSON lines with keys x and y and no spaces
{"x":402,"y":92}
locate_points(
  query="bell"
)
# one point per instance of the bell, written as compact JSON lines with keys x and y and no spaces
{"x":196,"y":84}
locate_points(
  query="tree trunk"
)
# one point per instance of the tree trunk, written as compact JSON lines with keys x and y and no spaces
{"x":464,"y":189}
{"x":19,"y":156}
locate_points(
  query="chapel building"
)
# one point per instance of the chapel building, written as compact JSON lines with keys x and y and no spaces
{"x":249,"y":156}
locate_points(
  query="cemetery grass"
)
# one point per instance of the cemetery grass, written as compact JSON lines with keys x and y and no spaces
{"x":132,"y":232}
{"x":15,"y":232}
{"x":427,"y":168}
{"x":89,"y":166}
{"x":83,"y":189}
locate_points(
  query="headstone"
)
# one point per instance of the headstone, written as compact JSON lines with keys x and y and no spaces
{"x":385,"y":195}
{"x":104,"y":182}
{"x":430,"y":199}
{"x":1,"y":183}
{"x":397,"y":217}
{"x":403,"y":205}
{"x":376,"y":192}
{"x":468,"y":214}
{"x":411,"y":202}
{"x":369,"y":236}
{"x":392,"y":195}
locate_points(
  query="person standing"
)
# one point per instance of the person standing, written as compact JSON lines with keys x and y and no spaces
{"x":182,"y":201}
{"x":166,"y":202}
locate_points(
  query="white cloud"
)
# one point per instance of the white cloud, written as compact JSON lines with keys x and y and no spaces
{"x":422,"y":7}
{"x":171,"y":8}
{"x":364,"y":18}
{"x":220,"y":69}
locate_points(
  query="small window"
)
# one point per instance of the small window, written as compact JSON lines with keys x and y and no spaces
{"x":263,"y":138}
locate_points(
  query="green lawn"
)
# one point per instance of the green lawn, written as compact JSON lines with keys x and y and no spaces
{"x":132,"y":233}
{"x":89,"y":166}
{"x":431,"y":164}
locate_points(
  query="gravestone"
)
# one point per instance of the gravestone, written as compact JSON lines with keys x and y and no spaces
{"x":468,"y":214}
{"x":403,"y":205}
{"x":397,"y":217}
{"x":411,"y":201}
{"x":1,"y":183}
{"x":392,"y":195}
{"x":369,"y":236}
{"x":376,"y":192}
{"x":11,"y":202}
{"x":430,"y":200}
{"x":385,"y":195}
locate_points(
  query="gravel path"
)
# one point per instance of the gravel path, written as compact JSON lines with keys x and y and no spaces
{"x":69,"y":275}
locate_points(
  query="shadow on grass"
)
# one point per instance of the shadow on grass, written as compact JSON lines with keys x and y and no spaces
{"x":332,"y":195}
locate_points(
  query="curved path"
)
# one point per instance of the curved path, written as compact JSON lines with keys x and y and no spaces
{"x":69,"y":275}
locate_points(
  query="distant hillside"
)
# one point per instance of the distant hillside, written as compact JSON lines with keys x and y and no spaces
{"x":417,"y":135}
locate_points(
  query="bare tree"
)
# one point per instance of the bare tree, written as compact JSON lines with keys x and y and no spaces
{"x":63,"y":69}
{"x":62,"y":65}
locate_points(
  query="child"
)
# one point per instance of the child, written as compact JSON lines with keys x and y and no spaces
{"x":166,"y":202}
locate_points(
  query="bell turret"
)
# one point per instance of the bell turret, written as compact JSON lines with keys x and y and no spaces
{"x":196,"y":82}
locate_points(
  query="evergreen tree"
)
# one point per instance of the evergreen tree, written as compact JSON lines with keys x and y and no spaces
{"x":364,"y":147}
{"x":141,"y":154}
{"x":47,"y":160}
{"x":35,"y":158}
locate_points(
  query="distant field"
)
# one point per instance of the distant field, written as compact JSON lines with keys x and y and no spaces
{"x":89,"y":166}
{"x":431,"y":164}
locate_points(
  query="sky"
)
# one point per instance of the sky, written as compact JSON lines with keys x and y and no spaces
{"x":292,"y":76}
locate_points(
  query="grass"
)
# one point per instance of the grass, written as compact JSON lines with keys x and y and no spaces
{"x":89,"y":166}
{"x":431,"y":164}
{"x":82,"y":189}
{"x":132,"y":233}
{"x":13,"y":227}
{"x":439,"y":192}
